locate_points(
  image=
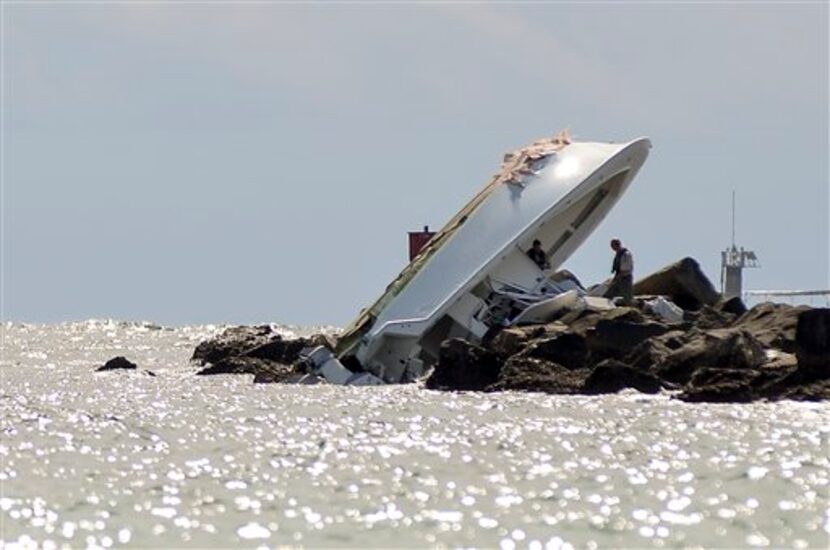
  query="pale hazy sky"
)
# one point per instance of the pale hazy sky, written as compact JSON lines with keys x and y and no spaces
{"x":225,"y":162}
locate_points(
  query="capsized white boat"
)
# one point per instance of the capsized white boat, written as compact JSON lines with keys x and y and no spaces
{"x":474,"y":276}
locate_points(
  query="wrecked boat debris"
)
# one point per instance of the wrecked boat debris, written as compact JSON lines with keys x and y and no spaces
{"x":474,"y":276}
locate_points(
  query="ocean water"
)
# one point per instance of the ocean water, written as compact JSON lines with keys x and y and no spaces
{"x":125,"y":459}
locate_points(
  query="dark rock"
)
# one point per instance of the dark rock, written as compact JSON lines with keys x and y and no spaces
{"x":512,"y":340}
{"x":648,"y":354}
{"x":148,"y":372}
{"x":615,"y":339}
{"x":611,"y":376}
{"x":719,"y":385}
{"x":232,"y":342}
{"x":464,"y":366}
{"x":725,"y":348}
{"x":277,"y":375}
{"x":228,"y":366}
{"x":582,"y":309}
{"x":278,"y":350}
{"x":753,"y":378}
{"x":652,"y":351}
{"x":709,"y":318}
{"x":682,"y":282}
{"x":707,"y":376}
{"x":734,"y":306}
{"x":250,"y":365}
{"x":542,"y":331}
{"x":117,"y":363}
{"x":254,"y":350}
{"x":797,"y":387}
{"x":580,"y":322}
{"x":509,"y":341}
{"x":537,"y":375}
{"x":812,"y":343}
{"x":675,"y":339}
{"x":772,"y":324}
{"x":566,"y":349}
{"x":725,"y":392}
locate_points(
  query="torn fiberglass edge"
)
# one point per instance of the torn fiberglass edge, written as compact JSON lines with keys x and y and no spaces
{"x":474,"y":276}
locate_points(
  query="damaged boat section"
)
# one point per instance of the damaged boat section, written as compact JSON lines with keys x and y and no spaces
{"x":474,"y":276}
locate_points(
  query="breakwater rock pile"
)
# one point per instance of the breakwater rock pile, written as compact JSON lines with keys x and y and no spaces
{"x":258,"y":350}
{"x":716,"y":351}
{"x":712,"y":356}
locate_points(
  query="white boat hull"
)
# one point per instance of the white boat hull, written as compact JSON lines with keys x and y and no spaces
{"x":475,"y":276}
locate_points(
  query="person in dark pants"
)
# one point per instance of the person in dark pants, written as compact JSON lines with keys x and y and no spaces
{"x":538,"y":255}
{"x":623,"y":269}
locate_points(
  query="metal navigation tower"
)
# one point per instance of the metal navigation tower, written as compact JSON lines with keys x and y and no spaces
{"x":733,"y":262}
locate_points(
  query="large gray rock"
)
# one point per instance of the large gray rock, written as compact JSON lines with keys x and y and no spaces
{"x":683,"y":282}
{"x":464,"y":366}
{"x":718,"y":385}
{"x":724,"y":348}
{"x":709,"y":318}
{"x":654,"y":350}
{"x":249,"y":365}
{"x":232,"y":342}
{"x":798,"y":388}
{"x":615,"y":339}
{"x":510,"y":341}
{"x":772,"y":324}
{"x":709,"y":385}
{"x":733,"y":306}
{"x":566,"y":349}
{"x":812,"y":343}
{"x":581,"y":321}
{"x":521,"y":373}
{"x":260,"y":342}
{"x":611,"y":376}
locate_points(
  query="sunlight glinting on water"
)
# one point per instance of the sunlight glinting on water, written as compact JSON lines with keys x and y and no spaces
{"x":129,"y":459}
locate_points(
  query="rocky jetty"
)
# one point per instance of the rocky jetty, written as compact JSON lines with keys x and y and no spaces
{"x":720,"y":352}
{"x":626,"y":348}
{"x":717,"y":351}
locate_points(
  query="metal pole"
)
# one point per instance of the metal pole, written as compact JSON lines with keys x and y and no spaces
{"x":733,"y":218}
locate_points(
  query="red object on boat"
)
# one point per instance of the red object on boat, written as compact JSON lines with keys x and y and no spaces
{"x":417,"y":240}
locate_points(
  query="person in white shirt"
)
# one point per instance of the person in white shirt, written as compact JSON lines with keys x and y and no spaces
{"x":623,"y":269}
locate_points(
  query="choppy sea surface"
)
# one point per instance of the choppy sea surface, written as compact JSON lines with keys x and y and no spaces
{"x":176,"y":460}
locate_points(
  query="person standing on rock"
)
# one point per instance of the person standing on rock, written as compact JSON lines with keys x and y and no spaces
{"x":623,"y":269}
{"x":538,"y":255}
